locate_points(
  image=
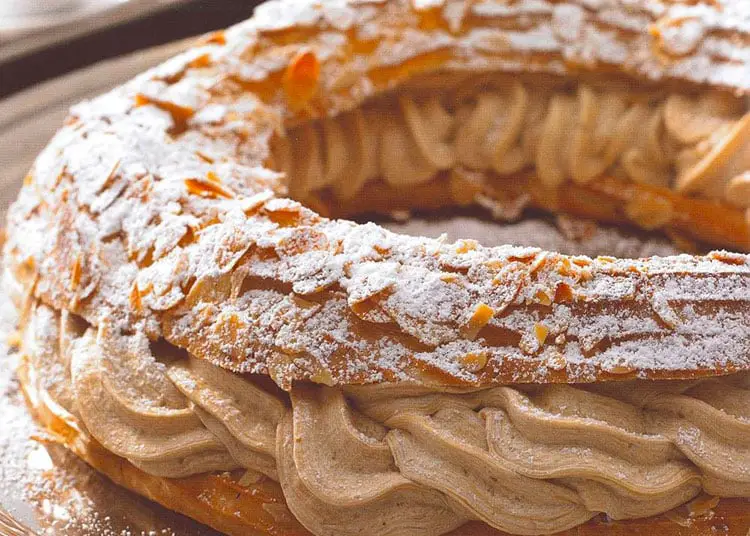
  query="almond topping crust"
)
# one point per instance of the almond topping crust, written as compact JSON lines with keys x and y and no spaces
{"x":159,"y":206}
{"x":176,"y":251}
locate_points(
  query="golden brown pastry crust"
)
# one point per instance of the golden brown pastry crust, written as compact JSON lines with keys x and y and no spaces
{"x":152,"y":208}
{"x":155,"y":210}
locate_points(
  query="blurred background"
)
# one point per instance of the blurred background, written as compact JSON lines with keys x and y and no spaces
{"x":42,"y":39}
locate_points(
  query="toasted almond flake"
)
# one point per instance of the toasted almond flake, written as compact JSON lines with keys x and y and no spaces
{"x":474,"y":362}
{"x":539,"y":262}
{"x":677,"y":37}
{"x":540,"y":332}
{"x":251,"y":204}
{"x":203,"y":156}
{"x":346,"y":79}
{"x":204,"y":60}
{"x":482,"y":314}
{"x":207,"y":188}
{"x":365,"y":308}
{"x":323,"y":376}
{"x":464,"y":246}
{"x":216,"y":38}
{"x":303,"y":303}
{"x":563,"y":293}
{"x":543,"y":298}
{"x":231,"y":323}
{"x":75,"y":273}
{"x":302,"y":78}
{"x":180,"y":114}
{"x":423,"y":5}
{"x":728,"y":257}
{"x":135,"y":298}
{"x":565,"y":268}
{"x":664,"y":310}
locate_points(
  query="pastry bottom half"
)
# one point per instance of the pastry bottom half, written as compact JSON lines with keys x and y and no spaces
{"x":226,"y":503}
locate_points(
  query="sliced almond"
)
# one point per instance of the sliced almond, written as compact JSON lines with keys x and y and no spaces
{"x":483,"y":313}
{"x":207,"y":188}
{"x":474,"y":362}
{"x":540,"y":332}
{"x":556,"y":360}
{"x":621,"y":369}
{"x":302,"y":78}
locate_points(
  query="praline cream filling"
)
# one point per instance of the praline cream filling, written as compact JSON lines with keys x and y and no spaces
{"x":524,"y":459}
{"x":695,"y":144}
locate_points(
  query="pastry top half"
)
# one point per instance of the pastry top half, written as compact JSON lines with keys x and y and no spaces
{"x":162,"y":208}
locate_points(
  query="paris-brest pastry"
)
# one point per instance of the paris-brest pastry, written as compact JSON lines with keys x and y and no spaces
{"x":199,"y":324}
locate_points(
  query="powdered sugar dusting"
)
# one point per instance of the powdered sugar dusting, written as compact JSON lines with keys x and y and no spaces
{"x":154,"y":209}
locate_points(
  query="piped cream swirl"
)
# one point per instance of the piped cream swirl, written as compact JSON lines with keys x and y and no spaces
{"x":129,"y":405}
{"x":693,"y":144}
{"x":526,"y":460}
